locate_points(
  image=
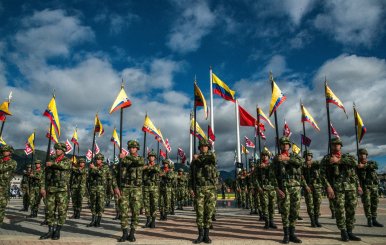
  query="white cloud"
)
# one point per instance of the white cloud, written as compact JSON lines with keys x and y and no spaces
{"x":195,"y":22}
{"x":352,"y":22}
{"x":277,"y":65}
{"x":117,"y":23}
{"x":297,"y":9}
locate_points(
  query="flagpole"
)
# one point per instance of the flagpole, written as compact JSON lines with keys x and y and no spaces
{"x":190,"y":140}
{"x":33,"y":142}
{"x":276,"y":124}
{"x":238,"y":131}
{"x":158,"y":156}
{"x":73,"y":152}
{"x":328,"y":117}
{"x":356,"y":129}
{"x":195,"y":125}
{"x":304,"y":129}
{"x":49,"y":145}
{"x":258,"y":130}
{"x":211,"y":102}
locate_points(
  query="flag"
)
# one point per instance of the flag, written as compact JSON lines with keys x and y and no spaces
{"x":246,"y":119}
{"x":89,"y":155}
{"x":116,"y":160}
{"x":334,"y":132}
{"x":74,"y":138}
{"x":277,"y":98}
{"x":331,"y":98}
{"x":28,"y":150}
{"x":306,"y":117}
{"x":295,"y":148}
{"x":97,"y":150}
{"x":159,"y":137}
{"x":4,"y":110}
{"x":249,"y":143}
{"x":125,"y":152}
{"x":52,"y":152}
{"x":182,"y":155}
{"x":262,"y":135}
{"x":31,"y":141}
{"x":69,"y":147}
{"x":167,"y":145}
{"x":211,"y":135}
{"x":263,"y":117}
{"x":52,"y":113}
{"x":52,"y":135}
{"x":121,"y":102}
{"x":98,"y":127}
{"x":286,"y":130}
{"x":199,"y":99}
{"x":2,"y":142}
{"x":361,"y":129}
{"x":114,"y":138}
{"x":74,"y":159}
{"x":162,"y":153}
{"x":221,"y":89}
{"x":244,"y":149}
{"x":261,"y":129}
{"x":199,"y":132}
{"x":149,"y":127}
{"x":306,"y":141}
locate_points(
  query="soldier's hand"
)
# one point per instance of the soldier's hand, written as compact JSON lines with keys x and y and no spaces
{"x":48,"y":164}
{"x":195,"y":156}
{"x":260,"y":190}
{"x":43,"y":192}
{"x":280,"y":193}
{"x":122,"y":155}
{"x":192,"y":194}
{"x":330,"y":193}
{"x":334,"y":159}
{"x":361,"y":165}
{"x":117,"y":192}
{"x":308,"y":189}
{"x":92,"y":165}
{"x":360,"y":191}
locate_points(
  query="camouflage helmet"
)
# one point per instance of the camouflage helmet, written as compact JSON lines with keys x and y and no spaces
{"x":204,"y":142}
{"x":99,"y":156}
{"x":307,"y":153}
{"x":336,"y":141}
{"x":152,"y":153}
{"x":181,"y":170}
{"x":166,"y":161}
{"x":363,"y":151}
{"x":60,"y":146}
{"x":28,"y":166}
{"x":284,"y":140}
{"x":38,"y":162}
{"x":7,"y":148}
{"x":82,"y":160}
{"x":133,"y":144}
{"x":265,"y":152}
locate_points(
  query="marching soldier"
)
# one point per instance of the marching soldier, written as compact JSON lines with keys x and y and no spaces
{"x":242,"y":187}
{"x":266,"y":184}
{"x":202,"y":186}
{"x":173,"y":189}
{"x":181,"y":187}
{"x":57,"y":180}
{"x":289,"y":177}
{"x":25,"y":187}
{"x":313,"y":194}
{"x":167,"y":180}
{"x":129,"y":192}
{"x":97,"y":180}
{"x":151,"y":178}
{"x":36,"y":182}
{"x":109,"y":188}
{"x":367,"y":171}
{"x":7,"y":169}
{"x":78,"y":186}
{"x":116,"y":199}
{"x":342,"y":185}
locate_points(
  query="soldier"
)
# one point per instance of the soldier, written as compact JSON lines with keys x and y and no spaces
{"x":342,"y":185}
{"x":7,"y":169}
{"x":57,"y":180}
{"x":25,"y":187}
{"x":167,"y":180}
{"x":202,"y":186}
{"x":367,"y":171}
{"x":266,"y":184}
{"x":36,"y":182}
{"x":78,"y":186}
{"x":97,"y":177}
{"x":288,"y":171}
{"x":109,"y":188}
{"x":242,"y":187}
{"x":116,"y":199}
{"x":313,"y":193}
{"x":151,"y":178}
{"x":173,"y":189}
{"x":181,"y":186}
{"x":129,"y":193}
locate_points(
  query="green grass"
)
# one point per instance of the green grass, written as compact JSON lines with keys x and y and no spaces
{"x":227,"y":196}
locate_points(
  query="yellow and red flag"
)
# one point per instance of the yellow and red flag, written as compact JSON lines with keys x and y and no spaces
{"x":199,"y":99}
{"x":52,"y":113}
{"x":361,"y":129}
{"x":115,"y":138}
{"x":98,"y":127}
{"x":4,"y":110}
{"x":74,"y":138}
{"x":122,"y":101}
{"x":306,"y":117}
{"x":277,"y":97}
{"x":332,"y":98}
{"x":263,"y":117}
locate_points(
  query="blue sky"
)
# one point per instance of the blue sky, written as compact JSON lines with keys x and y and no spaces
{"x":84,"y":49}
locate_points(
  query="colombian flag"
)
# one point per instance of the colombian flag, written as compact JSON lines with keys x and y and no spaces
{"x":2,"y":142}
{"x":262,"y":116}
{"x":199,"y":99}
{"x":277,"y":97}
{"x":199,"y":132}
{"x":98,"y":127}
{"x":149,"y":127}
{"x":220,"y":88}
{"x":295,"y":148}
{"x":331,"y":98}
{"x":52,"y":113}
{"x":360,"y":125}
{"x":74,"y":138}
{"x":115,"y":138}
{"x":51,"y":135}
{"x":306,"y":117}
{"x":122,"y":101}
{"x":4,"y":110}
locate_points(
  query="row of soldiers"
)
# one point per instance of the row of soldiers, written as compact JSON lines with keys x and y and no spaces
{"x":280,"y":180}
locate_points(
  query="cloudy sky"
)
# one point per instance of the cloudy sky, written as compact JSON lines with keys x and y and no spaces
{"x":83,"y":49}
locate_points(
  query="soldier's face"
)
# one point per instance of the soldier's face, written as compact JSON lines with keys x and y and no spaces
{"x":37,"y":166}
{"x":204,"y":148}
{"x":133,"y":150}
{"x":151,"y":158}
{"x":99,"y":161}
{"x":6,"y":153}
{"x":309,"y":158}
{"x":285,"y":147}
{"x":59,"y":152}
{"x":362,"y":157}
{"x":265,"y":157}
{"x":336,"y":147}
{"x":81,"y":165}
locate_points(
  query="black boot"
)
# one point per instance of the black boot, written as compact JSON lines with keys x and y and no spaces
{"x":73,"y":215}
{"x":116,"y":215}
{"x":49,"y":234}
{"x":344,"y":235}
{"x":369,"y":222}
{"x":77,"y":215}
{"x":214,"y":218}
{"x":152,"y":224}
{"x":353,"y":237}
{"x":317,"y":221}
{"x":131,"y":235}
{"x":124,"y":236}
{"x":376,"y":223}
{"x":272,"y":224}
{"x":200,"y":236}
{"x":161,"y":216}
{"x":300,"y":218}
{"x":44,"y":222}
{"x":292,"y":236}
{"x":261,"y":216}
{"x":32,"y":215}
{"x":206,"y":238}
{"x":332,"y":214}
{"x":56,"y":235}
{"x":93,"y":220}
{"x":147,"y":225}
{"x":266,"y":226}
{"x":98,"y":221}
{"x":286,"y":235}
{"x":165,"y":216}
{"x":313,"y":224}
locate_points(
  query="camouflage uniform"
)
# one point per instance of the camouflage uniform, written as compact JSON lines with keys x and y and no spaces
{"x":203,"y":171}
{"x":7,"y":169}
{"x":342,"y":177}
{"x":109,"y":188}
{"x":370,"y":183}
{"x":57,"y":181}
{"x":36,"y":183}
{"x":241,"y":186}
{"x":131,"y":191}
{"x":181,"y":188}
{"x":151,"y":190}
{"x":78,"y":187}
{"x":289,"y":179}
{"x":313,"y":178}
{"x":25,"y":188}
{"x":173,"y":190}
{"x":166,"y":186}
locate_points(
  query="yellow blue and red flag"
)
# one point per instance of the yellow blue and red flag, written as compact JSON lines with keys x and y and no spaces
{"x":360,"y":125}
{"x":98,"y":127}
{"x":277,"y":97}
{"x":263,"y":117}
{"x":332,"y":98}
{"x":52,"y":113}
{"x":221,"y":89}
{"x":115,"y":138}
{"x":149,"y":127}
{"x":199,"y":99}
{"x":199,"y":132}
{"x":74,"y":138}
{"x":122,"y":101}
{"x":2,"y":142}
{"x":51,"y":135}
{"x":4,"y":110}
{"x":306,"y":117}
